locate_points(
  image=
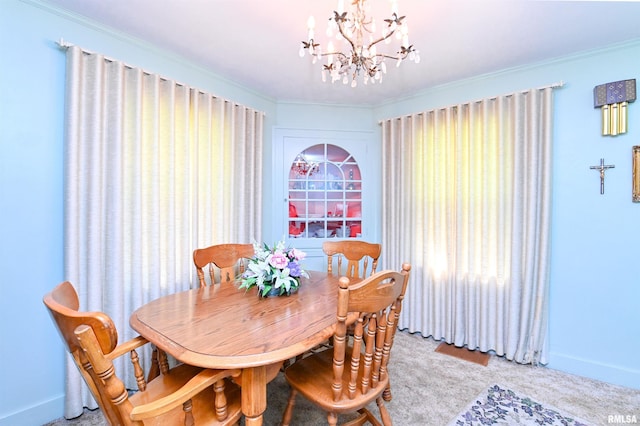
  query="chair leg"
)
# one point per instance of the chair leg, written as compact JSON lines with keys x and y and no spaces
{"x":288,"y":411}
{"x":332,"y":419}
{"x":154,"y":370}
{"x":285,"y":364}
{"x":387,"y":393}
{"x":384,"y":414}
{"x":163,"y":361}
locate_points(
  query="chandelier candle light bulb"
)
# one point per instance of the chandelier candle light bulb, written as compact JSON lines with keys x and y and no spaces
{"x":359,"y":59}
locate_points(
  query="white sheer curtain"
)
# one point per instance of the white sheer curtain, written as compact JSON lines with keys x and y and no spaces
{"x":154,"y":169}
{"x":466,"y":199}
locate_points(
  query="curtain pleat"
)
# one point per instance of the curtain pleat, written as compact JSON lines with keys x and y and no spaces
{"x":153,"y":170}
{"x":466,"y":195}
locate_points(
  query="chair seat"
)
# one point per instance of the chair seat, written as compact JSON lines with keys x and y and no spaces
{"x":166,"y":384}
{"x":313,"y":377}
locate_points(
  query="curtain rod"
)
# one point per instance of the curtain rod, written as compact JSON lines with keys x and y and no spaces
{"x":556,"y":85}
{"x":65,"y":45}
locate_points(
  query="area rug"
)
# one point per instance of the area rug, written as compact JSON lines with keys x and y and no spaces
{"x":477,"y":357}
{"x":499,"y":405}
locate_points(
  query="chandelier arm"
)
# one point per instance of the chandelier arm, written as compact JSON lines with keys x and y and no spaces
{"x":381,"y":55}
{"x":382,"y":39}
{"x":339,"y":54}
{"x":353,"y":46}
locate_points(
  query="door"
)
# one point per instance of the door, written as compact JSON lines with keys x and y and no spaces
{"x":322,"y":180}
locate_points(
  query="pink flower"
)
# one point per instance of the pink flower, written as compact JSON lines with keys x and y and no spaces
{"x":278,"y":260}
{"x":298,"y":254}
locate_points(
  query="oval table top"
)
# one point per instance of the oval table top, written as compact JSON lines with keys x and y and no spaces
{"x":221,"y":326}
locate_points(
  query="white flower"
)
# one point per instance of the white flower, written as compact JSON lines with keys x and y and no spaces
{"x":274,"y":267}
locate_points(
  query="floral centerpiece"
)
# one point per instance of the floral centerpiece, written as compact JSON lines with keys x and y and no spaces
{"x":274,"y":270}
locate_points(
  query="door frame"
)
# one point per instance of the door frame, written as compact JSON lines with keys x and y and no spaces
{"x":287,"y":143}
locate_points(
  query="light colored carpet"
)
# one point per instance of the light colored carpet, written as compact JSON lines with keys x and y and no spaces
{"x":431,"y":389}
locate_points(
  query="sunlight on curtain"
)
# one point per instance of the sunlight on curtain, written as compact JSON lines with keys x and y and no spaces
{"x":467,"y":193}
{"x":154,"y":169}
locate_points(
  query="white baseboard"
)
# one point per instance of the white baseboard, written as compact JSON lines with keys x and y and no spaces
{"x":594,"y":370}
{"x":35,"y":415}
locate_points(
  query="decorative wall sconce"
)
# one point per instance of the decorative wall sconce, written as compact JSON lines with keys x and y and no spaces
{"x":613,"y":98}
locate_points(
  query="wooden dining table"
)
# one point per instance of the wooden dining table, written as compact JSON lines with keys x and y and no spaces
{"x":223,"y":327}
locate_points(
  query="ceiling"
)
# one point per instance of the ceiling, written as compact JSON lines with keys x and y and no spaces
{"x":255,"y":43}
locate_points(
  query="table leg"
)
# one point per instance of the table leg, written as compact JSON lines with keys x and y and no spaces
{"x":254,"y":394}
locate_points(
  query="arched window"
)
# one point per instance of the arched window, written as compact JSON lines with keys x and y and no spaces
{"x":325,"y":194}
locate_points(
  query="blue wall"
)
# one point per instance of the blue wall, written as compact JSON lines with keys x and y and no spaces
{"x":595,"y":286}
{"x":594,"y":320}
{"x":31,"y":187}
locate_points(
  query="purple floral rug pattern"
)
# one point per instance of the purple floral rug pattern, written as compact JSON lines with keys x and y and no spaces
{"x":502,"y":406}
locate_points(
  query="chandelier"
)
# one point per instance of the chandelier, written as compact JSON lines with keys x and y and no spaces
{"x":356,"y":32}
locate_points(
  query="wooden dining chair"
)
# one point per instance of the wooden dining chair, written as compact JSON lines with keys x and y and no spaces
{"x":358,"y":255}
{"x":354,"y":373}
{"x":225,"y":262}
{"x":181,"y":395}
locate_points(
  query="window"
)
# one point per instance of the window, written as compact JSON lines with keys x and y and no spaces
{"x":325,"y":194}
